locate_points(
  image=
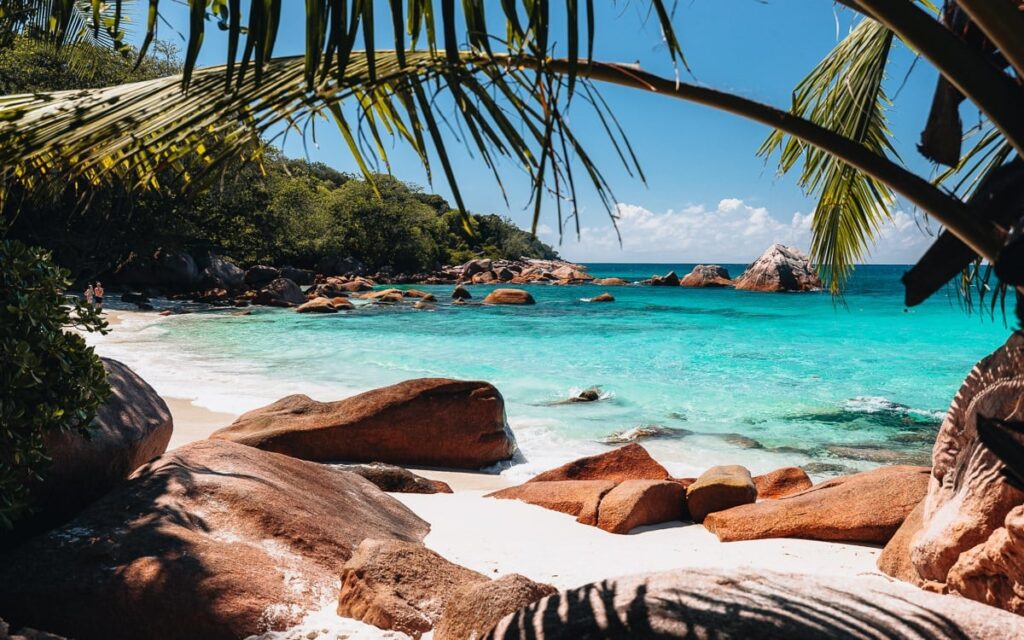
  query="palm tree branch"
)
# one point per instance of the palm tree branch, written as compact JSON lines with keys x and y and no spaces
{"x":137,"y":130}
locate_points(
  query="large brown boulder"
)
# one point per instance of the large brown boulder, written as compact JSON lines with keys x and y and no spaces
{"x":780,"y":268}
{"x":610,"y":282}
{"x":781,"y":483}
{"x":864,"y":507}
{"x":213,"y":540}
{"x":509,"y":296}
{"x":895,"y":557}
{"x":743,"y":604}
{"x":427,"y":421}
{"x":474,"y":609}
{"x":719,"y":488}
{"x":670,"y":279}
{"x":281,"y":292}
{"x":993,"y":572}
{"x":131,"y":428}
{"x":635,"y":503}
{"x":603,"y":297}
{"x":400,"y":585}
{"x":580,"y":498}
{"x":261,"y":275}
{"x":219,"y":273}
{"x":571,"y":274}
{"x":707,"y":275}
{"x":631,"y":462}
{"x":968,"y":498}
{"x":393,"y":479}
{"x":461,"y":293}
{"x":318,"y":305}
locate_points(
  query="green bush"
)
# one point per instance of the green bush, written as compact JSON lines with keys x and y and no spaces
{"x":50,"y":381}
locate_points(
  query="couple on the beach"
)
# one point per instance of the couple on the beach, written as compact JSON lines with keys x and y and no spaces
{"x":94,"y":294}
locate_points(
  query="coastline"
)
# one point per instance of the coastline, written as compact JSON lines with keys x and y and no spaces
{"x":498,"y":537}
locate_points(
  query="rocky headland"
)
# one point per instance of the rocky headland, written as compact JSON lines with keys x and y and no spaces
{"x":211,"y":279}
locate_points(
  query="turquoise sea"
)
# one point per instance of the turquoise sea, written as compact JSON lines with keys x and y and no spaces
{"x":758,"y":379}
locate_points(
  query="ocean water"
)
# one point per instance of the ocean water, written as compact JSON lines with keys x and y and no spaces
{"x":723,"y":376}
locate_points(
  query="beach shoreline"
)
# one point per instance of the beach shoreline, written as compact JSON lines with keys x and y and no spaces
{"x":498,"y":537}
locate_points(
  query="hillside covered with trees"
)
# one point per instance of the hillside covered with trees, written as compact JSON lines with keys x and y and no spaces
{"x":278,"y":211}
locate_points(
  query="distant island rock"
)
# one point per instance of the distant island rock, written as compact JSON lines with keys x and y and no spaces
{"x":780,"y":268}
{"x":707,"y":275}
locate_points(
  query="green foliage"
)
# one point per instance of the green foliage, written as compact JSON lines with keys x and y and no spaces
{"x":300,"y":212}
{"x":29,"y":65}
{"x":50,"y":380}
{"x":843,"y":93}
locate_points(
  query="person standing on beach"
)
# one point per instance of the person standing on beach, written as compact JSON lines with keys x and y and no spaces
{"x":89,"y":294}
{"x":98,"y":295}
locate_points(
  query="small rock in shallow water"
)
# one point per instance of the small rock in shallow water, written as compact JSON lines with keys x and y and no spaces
{"x":593,"y":394}
{"x":645,"y":432}
{"x":880,"y":454}
{"x":825,"y":468}
{"x":741,"y":441}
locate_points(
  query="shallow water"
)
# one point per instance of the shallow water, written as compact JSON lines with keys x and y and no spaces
{"x":736,"y":377}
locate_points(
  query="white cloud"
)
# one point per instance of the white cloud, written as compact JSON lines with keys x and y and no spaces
{"x":731,"y":232}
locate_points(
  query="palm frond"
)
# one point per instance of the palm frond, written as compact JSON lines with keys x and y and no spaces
{"x":335,"y":28}
{"x":983,"y":177}
{"x":99,"y":22}
{"x":842,"y":93}
{"x":133,"y":133}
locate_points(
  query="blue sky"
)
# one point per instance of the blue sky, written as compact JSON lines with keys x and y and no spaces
{"x":708,"y":196}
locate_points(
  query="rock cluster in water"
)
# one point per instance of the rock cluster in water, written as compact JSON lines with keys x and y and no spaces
{"x":212,"y":279}
{"x":780,"y":268}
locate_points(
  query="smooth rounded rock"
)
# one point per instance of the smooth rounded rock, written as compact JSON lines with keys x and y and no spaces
{"x":631,"y":462}
{"x":509,"y":296}
{"x":426,"y":421}
{"x":720,"y":488}
{"x":864,"y":507}
{"x":635,"y":503}
{"x":747,"y":605}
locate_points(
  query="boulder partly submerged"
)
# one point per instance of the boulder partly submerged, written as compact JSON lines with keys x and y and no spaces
{"x":737,"y":605}
{"x":780,"y":268}
{"x":213,"y":540}
{"x":509,"y":296}
{"x":707,"y":275}
{"x":426,"y":421}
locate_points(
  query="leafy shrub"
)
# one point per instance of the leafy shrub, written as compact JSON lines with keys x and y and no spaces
{"x":50,"y":381}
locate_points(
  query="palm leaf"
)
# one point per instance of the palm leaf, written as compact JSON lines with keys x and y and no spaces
{"x":843,"y":93}
{"x":133,"y":133}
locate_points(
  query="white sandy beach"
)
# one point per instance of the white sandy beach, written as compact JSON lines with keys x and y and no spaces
{"x":497,"y":537}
